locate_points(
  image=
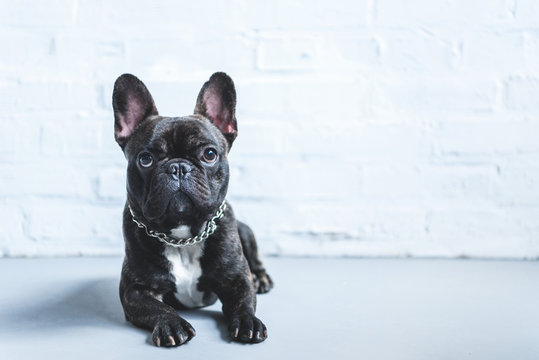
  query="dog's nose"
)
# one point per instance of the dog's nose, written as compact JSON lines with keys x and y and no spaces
{"x":178,"y":170}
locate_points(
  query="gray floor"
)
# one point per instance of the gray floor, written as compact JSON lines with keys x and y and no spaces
{"x":320,"y":309}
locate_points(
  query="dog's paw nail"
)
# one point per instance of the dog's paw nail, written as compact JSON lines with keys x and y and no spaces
{"x":236,"y":332}
{"x":171,"y":340}
{"x":158,"y":342}
{"x":250,"y":334}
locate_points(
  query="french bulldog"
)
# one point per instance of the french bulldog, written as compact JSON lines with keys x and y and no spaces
{"x":184,"y":248}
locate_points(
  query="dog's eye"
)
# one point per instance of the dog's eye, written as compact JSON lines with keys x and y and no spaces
{"x":145,"y":160}
{"x":209,"y":155}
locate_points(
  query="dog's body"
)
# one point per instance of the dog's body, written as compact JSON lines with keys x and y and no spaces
{"x":184,"y":248}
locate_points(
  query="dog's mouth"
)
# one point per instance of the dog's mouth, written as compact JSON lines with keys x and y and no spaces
{"x":171,"y":203}
{"x":180,"y":210}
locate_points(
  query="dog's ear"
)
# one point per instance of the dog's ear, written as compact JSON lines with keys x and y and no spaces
{"x":132,"y":103}
{"x":217,"y":102}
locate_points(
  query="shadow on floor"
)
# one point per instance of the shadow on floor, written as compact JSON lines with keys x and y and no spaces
{"x":217,"y":316}
{"x":92,"y":304}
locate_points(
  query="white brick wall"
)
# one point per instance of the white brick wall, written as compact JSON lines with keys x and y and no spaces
{"x":367,"y":127}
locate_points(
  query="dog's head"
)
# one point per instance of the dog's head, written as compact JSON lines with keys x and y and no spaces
{"x":177,"y":173}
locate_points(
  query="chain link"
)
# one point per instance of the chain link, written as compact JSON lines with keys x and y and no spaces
{"x":210,"y":228}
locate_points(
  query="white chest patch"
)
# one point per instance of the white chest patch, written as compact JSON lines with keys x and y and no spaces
{"x":186,"y":270}
{"x":182,"y":231}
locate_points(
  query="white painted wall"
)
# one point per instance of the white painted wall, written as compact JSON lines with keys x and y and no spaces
{"x":367,"y":127}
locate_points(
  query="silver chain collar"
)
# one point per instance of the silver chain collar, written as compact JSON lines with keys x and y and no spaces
{"x":210,"y":228}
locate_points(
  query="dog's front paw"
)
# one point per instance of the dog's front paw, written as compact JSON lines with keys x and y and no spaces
{"x":262,"y":282}
{"x":172,"y":331}
{"x":247,"y":329}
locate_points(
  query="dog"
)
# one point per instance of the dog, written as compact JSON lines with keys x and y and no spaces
{"x":184,"y":248}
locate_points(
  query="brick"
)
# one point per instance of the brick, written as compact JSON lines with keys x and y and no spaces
{"x":28,"y":13}
{"x":492,"y":53}
{"x":19,"y":137}
{"x":387,"y":143}
{"x":293,"y":244}
{"x":315,"y":14}
{"x":60,"y":221}
{"x":257,"y":138}
{"x":484,"y":137}
{"x":423,"y":185}
{"x":263,"y":98}
{"x":354,"y":48}
{"x":267,"y":218}
{"x":85,"y":58}
{"x":111,"y":183}
{"x":417,"y":52}
{"x":47,"y":177}
{"x":38,"y":46}
{"x":148,"y":56}
{"x":48,"y":96}
{"x":517,"y":185}
{"x":479,"y":232}
{"x":12,"y":223}
{"x":527,"y":216}
{"x":70,"y":138}
{"x":309,"y":103}
{"x":419,"y":95}
{"x":357,"y":222}
{"x":462,"y":184}
{"x":287,"y":54}
{"x":403,"y":185}
{"x":362,"y":145}
{"x":17,"y":98}
{"x":323,"y":100}
{"x":314,"y":217}
{"x":526,"y":13}
{"x":330,"y":230}
{"x":447,"y":13}
{"x":308,"y":50}
{"x":299,"y":179}
{"x":531,"y":53}
{"x":167,"y":16}
{"x":89,"y":14}
{"x":521,"y":94}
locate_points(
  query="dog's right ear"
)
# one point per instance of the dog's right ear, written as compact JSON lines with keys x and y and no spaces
{"x":132,"y":103}
{"x":217,"y":102}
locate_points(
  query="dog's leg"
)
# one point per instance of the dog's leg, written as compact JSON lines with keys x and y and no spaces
{"x":143,"y":308}
{"x":261,"y":279}
{"x":238,"y":297}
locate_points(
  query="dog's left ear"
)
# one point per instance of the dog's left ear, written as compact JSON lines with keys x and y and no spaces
{"x":217,"y":102}
{"x":132,"y":104}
